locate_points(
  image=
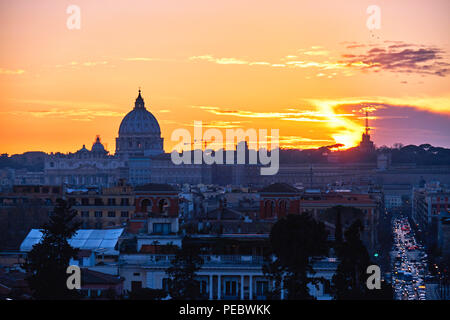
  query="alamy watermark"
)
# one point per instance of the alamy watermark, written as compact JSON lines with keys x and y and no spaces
{"x":374,"y":280}
{"x":258,"y":149}
{"x":74,"y":20}
{"x":374,"y":20}
{"x":74,"y":280}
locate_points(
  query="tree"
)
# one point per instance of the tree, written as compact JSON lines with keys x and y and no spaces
{"x":48,"y":260}
{"x":349,"y":281}
{"x":338,"y":226}
{"x":182,"y":273}
{"x":295,"y":240}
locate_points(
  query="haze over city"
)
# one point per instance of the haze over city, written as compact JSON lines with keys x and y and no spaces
{"x":307,"y":68}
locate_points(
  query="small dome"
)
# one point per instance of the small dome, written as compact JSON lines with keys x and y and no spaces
{"x":139,"y":120}
{"x":98,"y":146}
{"x":83,"y":149}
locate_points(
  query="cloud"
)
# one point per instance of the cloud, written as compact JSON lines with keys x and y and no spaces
{"x":73,"y":114}
{"x":61,"y":103}
{"x":400,"y":57}
{"x":76,"y":64}
{"x":289,"y":115}
{"x":315,"y":51}
{"x":145,"y":59}
{"x":219,"y":60}
{"x":11,"y":72}
{"x":84,"y":111}
{"x":297,"y":142}
{"x":439,"y":105}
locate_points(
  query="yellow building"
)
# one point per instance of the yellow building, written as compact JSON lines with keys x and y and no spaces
{"x":105,"y":208}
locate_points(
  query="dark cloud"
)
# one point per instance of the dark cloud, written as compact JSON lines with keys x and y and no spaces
{"x":408,"y":124}
{"x":401,"y":57}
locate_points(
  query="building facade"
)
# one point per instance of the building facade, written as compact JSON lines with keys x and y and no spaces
{"x":85,"y":167}
{"x":103,"y":208}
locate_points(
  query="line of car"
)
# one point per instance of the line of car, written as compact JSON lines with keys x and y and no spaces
{"x":409,"y":262}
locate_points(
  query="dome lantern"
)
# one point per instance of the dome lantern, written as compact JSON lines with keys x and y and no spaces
{"x":139,"y":101}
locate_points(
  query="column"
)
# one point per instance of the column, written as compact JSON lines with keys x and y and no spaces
{"x":210,"y":287}
{"x":219,"y":289}
{"x":242,"y":287}
{"x":250,"y":286}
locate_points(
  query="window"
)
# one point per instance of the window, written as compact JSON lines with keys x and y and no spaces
{"x":111,"y":214}
{"x":146,"y":205}
{"x":163,"y":205}
{"x":161,"y":228}
{"x":111,"y":202}
{"x":165,"y":284}
{"x":125,"y":202}
{"x":85,"y":201}
{"x":203,"y":286}
{"x":231,"y":288}
{"x":136,"y":274}
{"x":124,"y":214}
{"x":261,"y":288}
{"x":98,"y":214}
{"x":85,"y":214}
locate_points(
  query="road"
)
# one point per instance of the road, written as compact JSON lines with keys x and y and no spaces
{"x":409,"y":263}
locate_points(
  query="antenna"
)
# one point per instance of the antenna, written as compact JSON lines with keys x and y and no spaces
{"x":367,"y":122}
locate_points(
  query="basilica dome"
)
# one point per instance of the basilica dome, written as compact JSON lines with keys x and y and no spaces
{"x":139,"y":120}
{"x":139,"y":133}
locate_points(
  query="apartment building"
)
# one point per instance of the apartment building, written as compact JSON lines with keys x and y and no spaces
{"x":103,"y":208}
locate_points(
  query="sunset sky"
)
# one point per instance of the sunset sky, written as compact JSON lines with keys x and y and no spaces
{"x":307,"y":68}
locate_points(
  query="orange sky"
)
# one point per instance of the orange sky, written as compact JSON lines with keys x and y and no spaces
{"x":303,"y":67}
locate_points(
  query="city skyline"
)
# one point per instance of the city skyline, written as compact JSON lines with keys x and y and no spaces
{"x":305,"y":68}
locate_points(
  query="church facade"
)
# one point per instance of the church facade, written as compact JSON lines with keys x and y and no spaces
{"x":139,"y":139}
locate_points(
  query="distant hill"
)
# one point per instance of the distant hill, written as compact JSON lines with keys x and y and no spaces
{"x":425,"y":154}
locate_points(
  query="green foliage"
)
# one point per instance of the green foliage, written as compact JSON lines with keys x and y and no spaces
{"x":295,"y":240}
{"x":182,"y":273}
{"x":48,"y":260}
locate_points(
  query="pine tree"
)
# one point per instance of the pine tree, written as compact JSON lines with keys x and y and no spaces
{"x":350,"y":277}
{"x":48,"y":260}
{"x":295,"y":239}
{"x":338,"y":226}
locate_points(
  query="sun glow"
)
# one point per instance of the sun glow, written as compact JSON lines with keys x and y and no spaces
{"x":348,"y":131}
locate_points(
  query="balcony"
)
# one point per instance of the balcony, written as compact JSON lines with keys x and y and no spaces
{"x":165,"y":259}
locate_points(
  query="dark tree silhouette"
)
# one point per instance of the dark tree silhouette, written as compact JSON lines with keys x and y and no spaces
{"x":349,"y":280}
{"x":295,"y":239}
{"x":182,"y":273}
{"x":338,"y":226}
{"x":48,"y":260}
